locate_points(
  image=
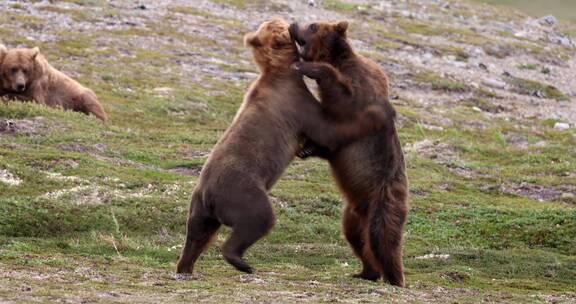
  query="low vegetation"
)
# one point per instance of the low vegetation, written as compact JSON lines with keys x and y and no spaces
{"x":96,"y":213}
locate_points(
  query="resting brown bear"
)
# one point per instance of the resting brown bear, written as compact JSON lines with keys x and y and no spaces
{"x":26,"y":75}
{"x":262,"y":140}
{"x":370,"y":172}
{"x":6,"y":95}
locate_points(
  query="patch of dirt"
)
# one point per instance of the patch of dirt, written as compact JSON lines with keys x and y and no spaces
{"x":59,"y":177}
{"x":26,"y":127}
{"x":279,"y":202}
{"x":195,"y":171}
{"x":556,"y":299}
{"x":454,"y":276}
{"x":419,"y":192}
{"x":8,"y":178}
{"x":518,"y":141}
{"x":565,"y":193}
{"x":87,"y":193}
{"x":443,"y":154}
{"x":462,"y":171}
{"x":96,"y":148}
{"x":437,"y":150}
{"x":442,"y":256}
{"x":124,"y":162}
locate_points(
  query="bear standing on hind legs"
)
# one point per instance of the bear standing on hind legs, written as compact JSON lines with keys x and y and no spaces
{"x":370,"y":172}
{"x":262,"y":140}
{"x":26,"y":75}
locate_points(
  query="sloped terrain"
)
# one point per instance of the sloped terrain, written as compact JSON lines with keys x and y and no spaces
{"x":94,"y":213}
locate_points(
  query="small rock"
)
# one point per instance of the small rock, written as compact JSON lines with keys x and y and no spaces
{"x":561,"y":126}
{"x":549,"y":20}
{"x":568,"y":195}
{"x":362,"y":10}
{"x":427,"y":57}
{"x":494,"y":83}
{"x":379,"y":292}
{"x":100,"y":148}
{"x":522,"y":34}
{"x":483,"y":66}
{"x":141,"y":7}
{"x":432,"y":127}
{"x":460,"y":64}
{"x":561,"y":40}
{"x":478,"y":51}
{"x":163,"y":90}
{"x":433,"y":256}
{"x":540,"y":144}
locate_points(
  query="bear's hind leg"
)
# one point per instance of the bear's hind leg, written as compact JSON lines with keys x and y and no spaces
{"x":387,"y":219}
{"x":89,"y":105}
{"x":200,"y":231}
{"x":354,"y":225}
{"x":250,"y":219}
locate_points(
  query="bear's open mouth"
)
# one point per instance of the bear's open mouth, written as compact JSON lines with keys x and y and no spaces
{"x":300,"y":49}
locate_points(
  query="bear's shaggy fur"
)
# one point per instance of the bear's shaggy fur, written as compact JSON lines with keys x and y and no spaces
{"x":26,"y":75}
{"x":259,"y":144}
{"x":370,"y":172}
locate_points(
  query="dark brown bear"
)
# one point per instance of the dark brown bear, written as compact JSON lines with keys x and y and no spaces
{"x":370,"y":172}
{"x":262,"y":140}
{"x":26,"y":75}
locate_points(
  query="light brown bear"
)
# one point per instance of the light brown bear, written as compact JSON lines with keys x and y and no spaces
{"x":26,"y":75}
{"x":262,"y":140}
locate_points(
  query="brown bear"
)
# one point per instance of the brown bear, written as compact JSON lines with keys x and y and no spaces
{"x":26,"y":75}
{"x":262,"y":140}
{"x":370,"y":171}
{"x":3,"y":50}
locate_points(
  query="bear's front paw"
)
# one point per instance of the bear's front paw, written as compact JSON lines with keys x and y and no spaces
{"x":296,"y":66}
{"x":309,"y":69}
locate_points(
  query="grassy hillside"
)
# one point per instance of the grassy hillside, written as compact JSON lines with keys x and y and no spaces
{"x":94,"y":213}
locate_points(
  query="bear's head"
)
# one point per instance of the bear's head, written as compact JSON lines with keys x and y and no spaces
{"x":272,"y":48}
{"x":321,"y":41}
{"x":18,"y":68}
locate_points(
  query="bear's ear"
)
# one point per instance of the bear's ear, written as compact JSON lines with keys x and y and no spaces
{"x":3,"y":51}
{"x":251,"y":39}
{"x":34,"y":53}
{"x":342,"y":27}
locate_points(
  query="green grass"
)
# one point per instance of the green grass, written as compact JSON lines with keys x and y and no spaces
{"x":448,"y":85}
{"x":99,"y":215}
{"x":338,"y":5}
{"x":535,"y":88}
{"x":441,"y":84}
